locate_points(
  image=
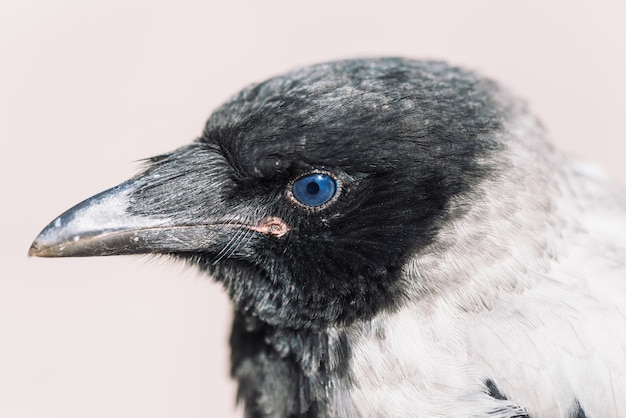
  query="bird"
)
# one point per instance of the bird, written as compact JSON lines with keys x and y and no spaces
{"x":398,"y":238}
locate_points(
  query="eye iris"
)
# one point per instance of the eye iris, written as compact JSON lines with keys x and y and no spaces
{"x":314,"y":189}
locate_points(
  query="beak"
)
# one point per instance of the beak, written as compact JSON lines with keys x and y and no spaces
{"x":105,"y":224}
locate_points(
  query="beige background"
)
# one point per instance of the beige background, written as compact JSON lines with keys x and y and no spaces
{"x":88,"y":87}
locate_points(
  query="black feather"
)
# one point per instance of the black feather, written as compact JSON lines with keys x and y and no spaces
{"x":404,"y":137}
{"x":577,"y":411}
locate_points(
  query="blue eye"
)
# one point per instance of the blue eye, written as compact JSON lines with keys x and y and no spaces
{"x":314,"y":189}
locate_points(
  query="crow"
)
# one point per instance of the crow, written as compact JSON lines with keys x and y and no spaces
{"x":398,"y":239}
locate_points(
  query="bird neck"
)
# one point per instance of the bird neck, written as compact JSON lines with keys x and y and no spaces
{"x":287,"y":372}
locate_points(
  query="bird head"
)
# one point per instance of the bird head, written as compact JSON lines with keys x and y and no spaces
{"x":306,"y":194}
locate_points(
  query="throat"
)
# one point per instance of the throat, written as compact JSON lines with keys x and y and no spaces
{"x":289,"y":373}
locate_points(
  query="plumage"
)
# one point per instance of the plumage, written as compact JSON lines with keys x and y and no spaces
{"x":457,"y":266}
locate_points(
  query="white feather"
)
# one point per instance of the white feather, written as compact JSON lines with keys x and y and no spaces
{"x":527,"y":288}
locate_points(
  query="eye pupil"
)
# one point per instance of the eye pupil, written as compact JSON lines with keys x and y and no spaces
{"x":314,"y":189}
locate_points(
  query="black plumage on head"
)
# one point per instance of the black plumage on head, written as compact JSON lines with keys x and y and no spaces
{"x":401,"y":137}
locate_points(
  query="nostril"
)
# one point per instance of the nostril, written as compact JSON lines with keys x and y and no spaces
{"x":272,"y":226}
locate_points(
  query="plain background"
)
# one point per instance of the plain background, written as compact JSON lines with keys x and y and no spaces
{"x":87,"y":88}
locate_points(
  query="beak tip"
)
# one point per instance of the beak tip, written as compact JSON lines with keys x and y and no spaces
{"x":34,"y":250}
{"x":40,"y":248}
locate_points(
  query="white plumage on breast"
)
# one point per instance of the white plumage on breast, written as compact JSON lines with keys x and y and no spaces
{"x":528,"y":291}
